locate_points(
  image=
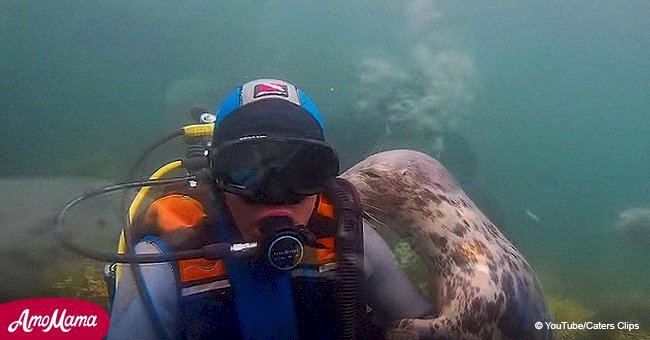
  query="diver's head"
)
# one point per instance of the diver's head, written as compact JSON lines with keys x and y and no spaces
{"x":269,"y":147}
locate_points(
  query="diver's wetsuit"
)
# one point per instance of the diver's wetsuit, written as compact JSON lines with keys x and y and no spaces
{"x":390,"y":294}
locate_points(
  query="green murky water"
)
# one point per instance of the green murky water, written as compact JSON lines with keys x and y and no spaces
{"x":539,"y":109}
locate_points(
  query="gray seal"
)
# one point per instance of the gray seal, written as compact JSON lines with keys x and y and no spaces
{"x":485,"y":289}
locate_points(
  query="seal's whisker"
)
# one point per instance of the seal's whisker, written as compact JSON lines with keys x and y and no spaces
{"x":377,"y":147}
{"x":372,"y":218}
{"x":374,"y":207}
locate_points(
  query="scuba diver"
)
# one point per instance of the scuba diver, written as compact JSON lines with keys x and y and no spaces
{"x":309,"y":266}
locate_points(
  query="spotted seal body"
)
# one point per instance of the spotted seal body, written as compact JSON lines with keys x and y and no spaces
{"x":485,"y":288}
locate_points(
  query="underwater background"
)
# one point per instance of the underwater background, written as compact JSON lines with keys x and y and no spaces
{"x":540,"y":109}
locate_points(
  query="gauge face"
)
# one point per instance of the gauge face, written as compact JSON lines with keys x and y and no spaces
{"x":285,"y":252}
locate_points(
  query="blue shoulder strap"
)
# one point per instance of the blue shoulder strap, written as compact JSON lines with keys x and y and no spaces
{"x":262,"y":295}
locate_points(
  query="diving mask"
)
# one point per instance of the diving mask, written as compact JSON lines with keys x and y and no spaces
{"x":270,"y":170}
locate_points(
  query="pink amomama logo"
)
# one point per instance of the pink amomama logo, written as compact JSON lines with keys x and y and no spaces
{"x":52,"y":318}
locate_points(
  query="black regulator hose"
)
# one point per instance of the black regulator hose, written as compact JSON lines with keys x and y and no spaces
{"x":130,"y":176}
{"x":151,"y":149}
{"x":349,"y":243}
{"x":59,"y":231}
{"x":210,"y":251}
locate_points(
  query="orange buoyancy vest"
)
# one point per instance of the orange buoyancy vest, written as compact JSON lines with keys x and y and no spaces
{"x":175,"y":214}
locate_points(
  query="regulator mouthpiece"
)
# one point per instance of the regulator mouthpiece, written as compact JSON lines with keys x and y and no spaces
{"x":283,"y":243}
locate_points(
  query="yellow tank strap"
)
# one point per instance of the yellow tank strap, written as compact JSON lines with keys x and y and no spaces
{"x":135,"y":205}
